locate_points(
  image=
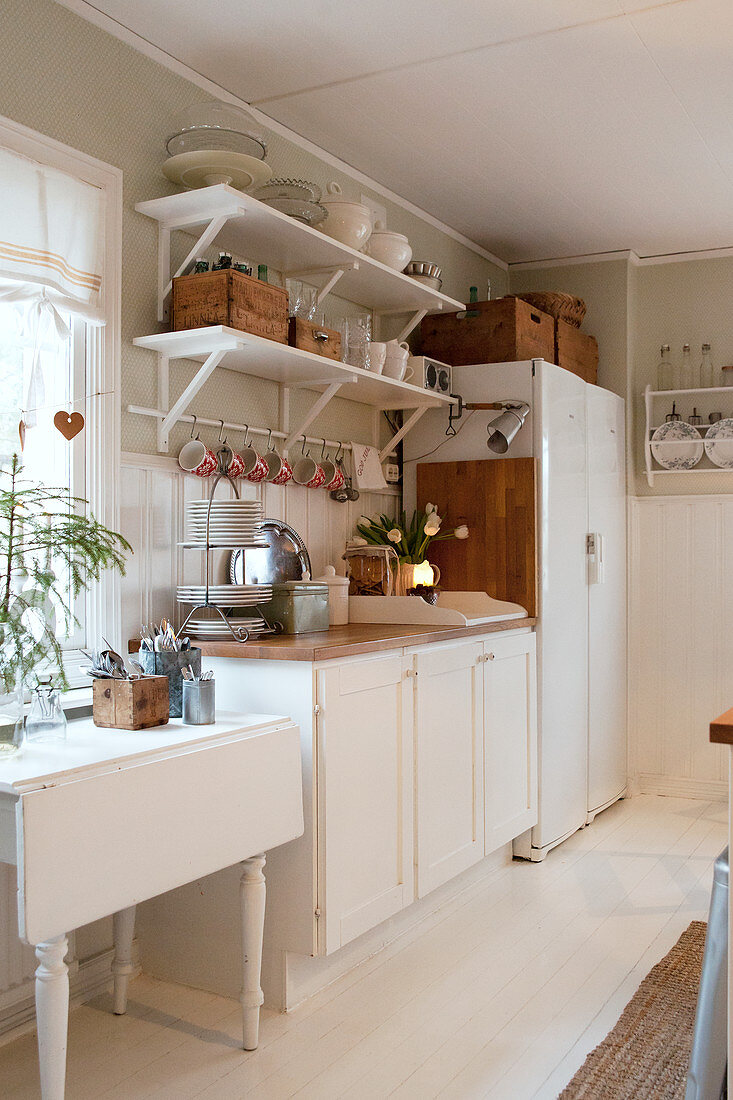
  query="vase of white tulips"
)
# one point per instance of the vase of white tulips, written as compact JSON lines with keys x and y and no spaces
{"x":410,"y":541}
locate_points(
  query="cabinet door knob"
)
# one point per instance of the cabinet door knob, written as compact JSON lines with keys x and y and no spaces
{"x":490,"y":656}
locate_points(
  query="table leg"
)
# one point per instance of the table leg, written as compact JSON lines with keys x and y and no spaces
{"x":252,"y":900}
{"x":123,"y":926}
{"x":52,"y":1015}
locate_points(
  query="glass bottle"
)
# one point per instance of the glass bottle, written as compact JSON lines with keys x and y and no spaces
{"x":707,"y":370}
{"x":687,"y":371}
{"x":11,"y":719}
{"x":664,"y":369}
{"x":46,"y":720}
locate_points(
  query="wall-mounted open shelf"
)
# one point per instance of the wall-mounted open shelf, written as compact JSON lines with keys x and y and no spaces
{"x":257,"y":232}
{"x":654,"y":418}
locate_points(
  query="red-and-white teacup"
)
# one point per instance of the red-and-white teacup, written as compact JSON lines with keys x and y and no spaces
{"x":308,"y":473}
{"x":255,"y":466}
{"x":195,"y":458}
{"x":337,"y":481}
{"x":279,"y":470}
{"x":236,"y":466}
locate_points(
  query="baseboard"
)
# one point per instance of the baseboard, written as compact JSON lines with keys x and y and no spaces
{"x":87,"y":979}
{"x":306,"y":976}
{"x":679,"y":787}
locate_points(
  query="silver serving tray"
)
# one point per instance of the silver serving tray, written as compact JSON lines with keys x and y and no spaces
{"x":285,"y":558}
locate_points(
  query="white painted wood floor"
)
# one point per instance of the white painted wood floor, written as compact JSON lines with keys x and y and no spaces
{"x":503,"y":997}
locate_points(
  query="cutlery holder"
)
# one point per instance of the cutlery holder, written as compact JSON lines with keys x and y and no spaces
{"x":130,"y":704}
{"x":170,"y":665}
{"x":198,"y":702}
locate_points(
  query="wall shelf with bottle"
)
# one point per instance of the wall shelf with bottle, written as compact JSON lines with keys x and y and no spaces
{"x":688,"y":431}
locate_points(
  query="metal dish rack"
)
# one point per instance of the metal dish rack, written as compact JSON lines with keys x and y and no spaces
{"x":238,"y":633}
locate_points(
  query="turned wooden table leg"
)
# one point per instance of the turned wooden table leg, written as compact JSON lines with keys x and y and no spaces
{"x":123,"y":926}
{"x":252,"y":899}
{"x":52,"y":1015}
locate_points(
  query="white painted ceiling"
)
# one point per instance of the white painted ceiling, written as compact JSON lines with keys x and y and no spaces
{"x":538,"y":128}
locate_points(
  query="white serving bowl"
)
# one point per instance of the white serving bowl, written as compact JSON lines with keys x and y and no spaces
{"x":347,"y":222}
{"x":392,"y":249}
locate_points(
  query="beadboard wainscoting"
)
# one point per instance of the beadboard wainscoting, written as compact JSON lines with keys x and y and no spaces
{"x":153,"y":493}
{"x":680,"y":645}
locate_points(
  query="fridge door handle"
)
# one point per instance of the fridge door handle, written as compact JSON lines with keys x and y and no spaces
{"x":594,"y":557}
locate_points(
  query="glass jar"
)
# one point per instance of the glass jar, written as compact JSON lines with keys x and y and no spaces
{"x":46,"y":720}
{"x":688,"y":374}
{"x":664,"y":369}
{"x":11,"y":720}
{"x":707,"y":370}
{"x":371,"y":569}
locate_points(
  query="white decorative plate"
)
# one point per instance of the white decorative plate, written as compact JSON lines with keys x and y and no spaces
{"x":209,"y":166}
{"x":719,"y":443}
{"x":677,"y":445}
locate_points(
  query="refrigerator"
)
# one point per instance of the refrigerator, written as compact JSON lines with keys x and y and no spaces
{"x":575,"y":431}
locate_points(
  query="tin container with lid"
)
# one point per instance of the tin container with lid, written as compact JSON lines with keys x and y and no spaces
{"x":298,"y":607}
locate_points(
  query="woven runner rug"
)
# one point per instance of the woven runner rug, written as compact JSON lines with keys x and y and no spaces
{"x":646,"y":1055}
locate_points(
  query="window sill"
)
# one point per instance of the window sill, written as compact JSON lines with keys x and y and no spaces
{"x":76,"y":703}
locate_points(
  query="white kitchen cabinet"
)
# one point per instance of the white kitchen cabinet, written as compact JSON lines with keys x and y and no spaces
{"x":448,"y":762}
{"x":510,"y":738}
{"x":365,"y":796}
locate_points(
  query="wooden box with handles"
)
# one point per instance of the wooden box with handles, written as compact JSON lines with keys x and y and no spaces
{"x":231,"y":298}
{"x":504,"y":330}
{"x":309,"y":336}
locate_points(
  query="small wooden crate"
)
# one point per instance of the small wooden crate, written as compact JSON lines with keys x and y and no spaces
{"x":231,"y":298}
{"x":576,"y":351}
{"x":503,"y":330}
{"x":130,"y":704}
{"x":304,"y":335}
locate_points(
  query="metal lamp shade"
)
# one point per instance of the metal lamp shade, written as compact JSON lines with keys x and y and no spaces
{"x":503,"y":429}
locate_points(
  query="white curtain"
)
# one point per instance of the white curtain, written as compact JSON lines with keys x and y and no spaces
{"x":51,"y":238}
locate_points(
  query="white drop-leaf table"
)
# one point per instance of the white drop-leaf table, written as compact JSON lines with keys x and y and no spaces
{"x":111,"y":818}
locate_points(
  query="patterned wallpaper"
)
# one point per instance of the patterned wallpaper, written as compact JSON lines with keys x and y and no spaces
{"x":69,"y":79}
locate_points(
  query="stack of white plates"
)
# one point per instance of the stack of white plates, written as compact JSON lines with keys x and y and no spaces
{"x":232,"y":523}
{"x":201,"y":626}
{"x":225,"y":595}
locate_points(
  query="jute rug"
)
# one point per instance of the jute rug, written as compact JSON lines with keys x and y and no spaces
{"x":646,"y":1055}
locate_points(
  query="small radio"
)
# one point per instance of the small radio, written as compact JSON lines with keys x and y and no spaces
{"x":432,"y":374}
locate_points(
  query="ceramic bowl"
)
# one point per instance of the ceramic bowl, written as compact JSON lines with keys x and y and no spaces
{"x":347,"y":222}
{"x":392,"y":249}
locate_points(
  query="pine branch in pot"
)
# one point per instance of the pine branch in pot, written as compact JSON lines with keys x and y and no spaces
{"x":45,"y":533}
{"x":411,"y":541}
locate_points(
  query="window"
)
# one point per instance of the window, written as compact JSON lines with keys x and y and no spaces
{"x":59,"y":335}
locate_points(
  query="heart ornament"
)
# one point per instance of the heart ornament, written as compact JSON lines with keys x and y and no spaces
{"x":69,"y":424}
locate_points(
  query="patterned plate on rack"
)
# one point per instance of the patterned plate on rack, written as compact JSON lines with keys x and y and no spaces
{"x":719,"y":443}
{"x":677,"y":445}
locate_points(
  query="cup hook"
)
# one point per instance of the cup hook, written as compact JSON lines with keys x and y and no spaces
{"x":323,"y":450}
{"x":305,"y":440}
{"x":193,"y":426}
{"x":339,"y":452}
{"x":269,"y":439}
{"x":246,"y":436}
{"x":221,"y":430}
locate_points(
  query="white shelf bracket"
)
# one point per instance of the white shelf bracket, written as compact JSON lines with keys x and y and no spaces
{"x":202,"y":375}
{"x":412,"y":324}
{"x":333,"y":275}
{"x":406,"y":427}
{"x":213,"y":229}
{"x":316,"y":408}
{"x":164,"y":271}
{"x":163,"y":395}
{"x":647,"y":442}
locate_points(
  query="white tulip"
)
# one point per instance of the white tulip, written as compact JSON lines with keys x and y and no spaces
{"x":461,"y":532}
{"x":430,"y":508}
{"x":365,"y":521}
{"x":431,"y":528}
{"x":358,"y":541}
{"x":395,"y":535}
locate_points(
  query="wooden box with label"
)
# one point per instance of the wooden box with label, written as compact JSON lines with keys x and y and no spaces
{"x":130,"y":704}
{"x":503,"y":330}
{"x":309,"y":336}
{"x":231,"y":298}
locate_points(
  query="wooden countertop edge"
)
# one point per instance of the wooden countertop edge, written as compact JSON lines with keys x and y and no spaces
{"x":721,"y":729}
{"x":319,"y":647}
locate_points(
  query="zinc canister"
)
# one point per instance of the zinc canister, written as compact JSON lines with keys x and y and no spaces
{"x":299,"y":607}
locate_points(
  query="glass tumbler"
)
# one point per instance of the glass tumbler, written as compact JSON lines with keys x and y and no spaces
{"x":46,"y":720}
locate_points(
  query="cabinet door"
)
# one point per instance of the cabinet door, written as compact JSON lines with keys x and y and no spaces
{"x":365,"y":796}
{"x":510,"y":738}
{"x":449,"y":762}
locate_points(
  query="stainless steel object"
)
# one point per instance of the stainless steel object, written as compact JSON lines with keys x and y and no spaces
{"x":298,"y":607}
{"x":706,"y":1075}
{"x":284,"y":559}
{"x":424,"y":267}
{"x":170,"y":664}
{"x":198,"y":702}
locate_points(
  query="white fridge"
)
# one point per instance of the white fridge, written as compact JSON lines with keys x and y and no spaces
{"x":576,"y":433}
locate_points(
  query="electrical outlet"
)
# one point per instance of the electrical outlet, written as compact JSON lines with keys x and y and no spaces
{"x":376,"y":209}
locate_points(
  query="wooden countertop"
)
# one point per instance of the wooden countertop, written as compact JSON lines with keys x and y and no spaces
{"x":347,"y":641}
{"x":721,"y":729}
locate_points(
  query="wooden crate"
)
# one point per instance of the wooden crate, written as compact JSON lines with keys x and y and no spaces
{"x":303,"y":334}
{"x":497,"y":499}
{"x":130,"y":704}
{"x":576,"y":351}
{"x":231,"y":298}
{"x":503,"y":330}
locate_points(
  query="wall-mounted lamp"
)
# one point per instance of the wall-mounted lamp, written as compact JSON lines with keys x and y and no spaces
{"x":502,"y":429}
